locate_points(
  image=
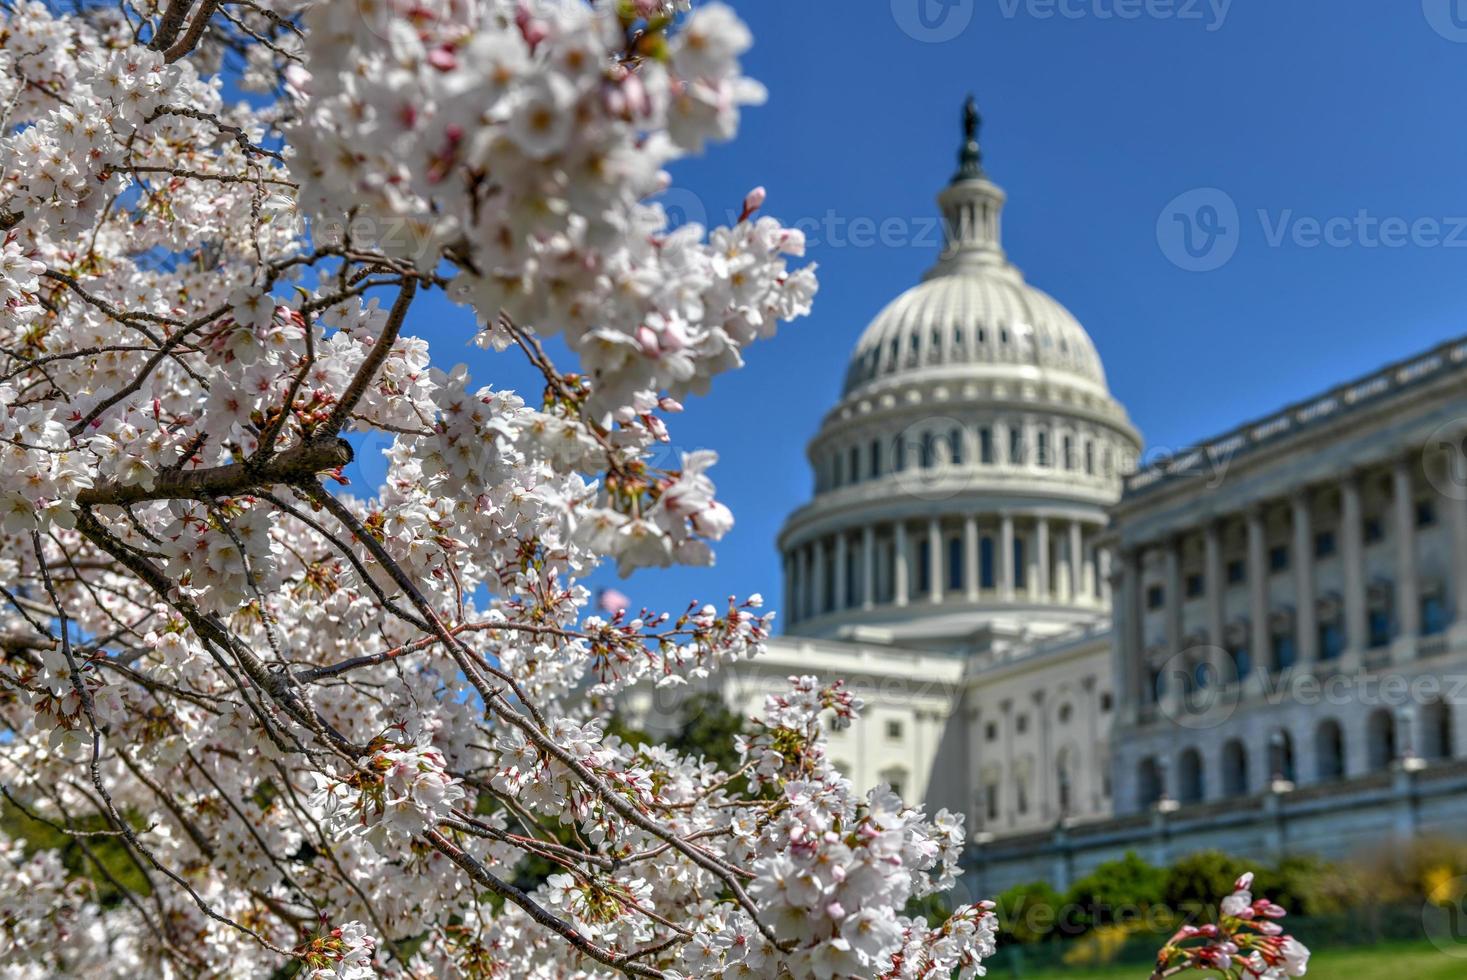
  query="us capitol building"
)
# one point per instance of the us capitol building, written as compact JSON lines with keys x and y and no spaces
{"x":1259,"y":645}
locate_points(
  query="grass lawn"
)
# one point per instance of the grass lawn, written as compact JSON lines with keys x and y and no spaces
{"x":1387,"y":962}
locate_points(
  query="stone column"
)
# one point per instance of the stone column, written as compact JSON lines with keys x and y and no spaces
{"x":1173,"y":558}
{"x":1093,"y":776}
{"x":802,"y":601}
{"x":818,"y":579}
{"x":1408,"y":592}
{"x":934,"y":560}
{"x":842,"y":576}
{"x":899,"y":565}
{"x":1215,"y":579}
{"x":1045,"y":775}
{"x":1128,"y":634}
{"x":1076,"y":563}
{"x":1010,"y":785}
{"x":868,"y":567}
{"x":1103,"y":564}
{"x":970,"y":557}
{"x":1454,"y":498}
{"x":1006,"y":557}
{"x":1042,"y":576}
{"x":1305,"y":625}
{"x":791,"y":614}
{"x":1357,"y":624}
{"x":1259,"y":641}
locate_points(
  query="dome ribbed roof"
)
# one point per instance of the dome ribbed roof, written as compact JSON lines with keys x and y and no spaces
{"x":973,"y":316}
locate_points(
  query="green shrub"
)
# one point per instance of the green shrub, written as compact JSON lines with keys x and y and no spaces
{"x":1118,"y":892}
{"x":1028,"y":913}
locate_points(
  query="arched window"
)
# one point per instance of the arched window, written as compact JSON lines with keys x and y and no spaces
{"x":1437,"y":735}
{"x":1281,"y":756}
{"x":1148,"y":783}
{"x":1380,"y":733}
{"x":1190,"y":784}
{"x":1329,"y":751}
{"x":1234,"y":769}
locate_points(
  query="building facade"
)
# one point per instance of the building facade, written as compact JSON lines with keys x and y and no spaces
{"x":1259,"y":645}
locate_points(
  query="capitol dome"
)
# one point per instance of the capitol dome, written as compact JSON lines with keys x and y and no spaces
{"x":962,"y":480}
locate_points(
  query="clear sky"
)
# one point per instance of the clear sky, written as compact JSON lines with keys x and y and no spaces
{"x":1098,"y":116}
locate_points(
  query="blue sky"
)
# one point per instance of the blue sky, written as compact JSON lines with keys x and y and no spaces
{"x":1348,"y":115}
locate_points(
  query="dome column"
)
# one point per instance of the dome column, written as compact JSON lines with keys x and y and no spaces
{"x":842,"y":557}
{"x":934,"y":559}
{"x":868,"y":567}
{"x":900,"y":566}
{"x":1042,"y":579}
{"x":817,"y":601}
{"x":1006,"y":557}
{"x":1079,"y":568}
{"x":970,"y":557}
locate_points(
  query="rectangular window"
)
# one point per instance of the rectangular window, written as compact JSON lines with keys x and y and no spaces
{"x":1016,"y":447}
{"x":1237,"y":572}
{"x":1194,"y":586}
{"x":1285,"y":651}
{"x":1278,"y":558}
{"x":1434,"y":617}
{"x":1380,"y":628}
{"x":985,"y":563}
{"x":1324,"y":544}
{"x":1021,"y":566}
{"x":875,"y":467}
{"x":1425,"y":513}
{"x":1155,"y":597}
{"x":1043,"y":447}
{"x":955,"y":562}
{"x":894,"y":730}
{"x":924,"y":566}
{"x":1331,"y":641}
{"x":1374,"y":530}
{"x":985,"y":445}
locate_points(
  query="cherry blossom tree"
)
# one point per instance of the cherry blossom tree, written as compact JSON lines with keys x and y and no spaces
{"x":298,"y":728}
{"x":325,"y":726}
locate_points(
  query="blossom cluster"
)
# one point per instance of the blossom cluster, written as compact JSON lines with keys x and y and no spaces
{"x":1246,"y":943}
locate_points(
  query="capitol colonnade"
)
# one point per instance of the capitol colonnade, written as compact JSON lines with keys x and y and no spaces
{"x":953,"y":559}
{"x":1283,"y":615}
